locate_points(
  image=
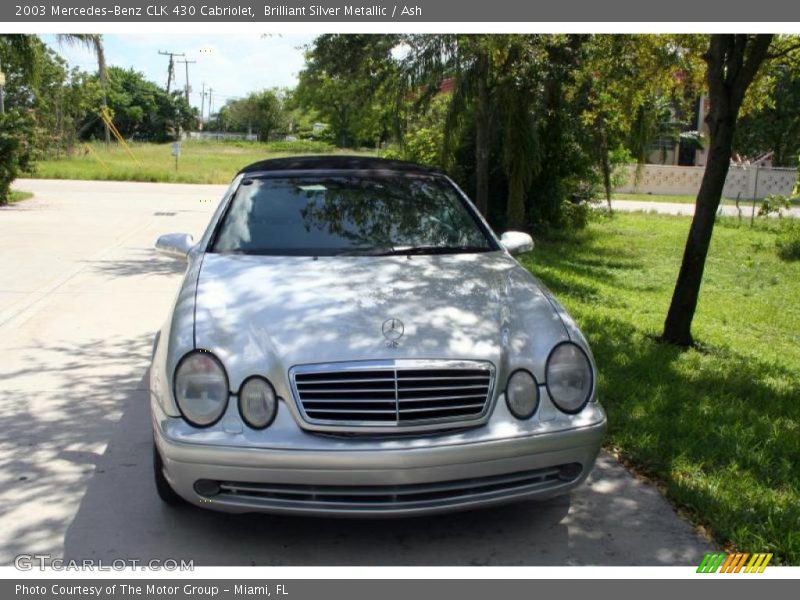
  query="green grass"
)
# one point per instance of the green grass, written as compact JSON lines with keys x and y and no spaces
{"x":719,"y":427}
{"x":644,"y":197}
{"x":680,"y":199}
{"x":18,"y":196}
{"x":200,"y":161}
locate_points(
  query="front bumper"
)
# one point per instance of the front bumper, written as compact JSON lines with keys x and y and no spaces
{"x":351,"y":478}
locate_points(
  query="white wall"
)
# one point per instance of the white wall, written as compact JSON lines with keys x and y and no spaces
{"x":743,"y":181}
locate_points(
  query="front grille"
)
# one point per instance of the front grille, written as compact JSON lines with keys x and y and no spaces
{"x":393,"y":393}
{"x":389,"y":497}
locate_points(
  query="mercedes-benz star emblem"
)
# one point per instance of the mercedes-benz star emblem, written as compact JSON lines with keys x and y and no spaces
{"x":392,"y":330}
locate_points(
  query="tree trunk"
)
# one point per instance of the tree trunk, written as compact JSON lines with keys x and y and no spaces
{"x":733,"y":60}
{"x":678,"y":324}
{"x":102,"y":72}
{"x":605,"y":166}
{"x":482,"y":127}
{"x":515,"y":211}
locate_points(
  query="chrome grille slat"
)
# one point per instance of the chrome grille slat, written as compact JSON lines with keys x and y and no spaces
{"x":324,"y":401}
{"x":343,"y":380}
{"x":346,"y":391}
{"x":366,"y":411}
{"x":419,"y":394}
{"x":397,"y":490}
{"x":443,"y":388}
{"x":440,"y":408}
{"x":432,"y":398}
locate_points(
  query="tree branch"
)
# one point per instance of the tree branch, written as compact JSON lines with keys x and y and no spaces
{"x":782,"y":53}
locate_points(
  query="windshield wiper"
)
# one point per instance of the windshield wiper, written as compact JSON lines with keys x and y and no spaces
{"x":409,"y":250}
{"x":367,"y":251}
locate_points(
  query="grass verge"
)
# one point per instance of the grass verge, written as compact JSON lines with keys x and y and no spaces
{"x":718,"y":426}
{"x":18,"y":196}
{"x":199,"y":162}
{"x":744,"y":204}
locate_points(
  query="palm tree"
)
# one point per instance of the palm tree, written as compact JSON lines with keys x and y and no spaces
{"x":487,"y":87}
{"x":93,"y":42}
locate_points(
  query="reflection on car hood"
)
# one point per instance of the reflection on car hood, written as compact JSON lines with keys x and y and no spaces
{"x":298,"y":310}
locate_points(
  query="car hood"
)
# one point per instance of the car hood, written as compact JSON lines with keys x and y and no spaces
{"x":268,"y":313}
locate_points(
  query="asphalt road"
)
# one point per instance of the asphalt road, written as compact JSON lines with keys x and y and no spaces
{"x":81,"y":294}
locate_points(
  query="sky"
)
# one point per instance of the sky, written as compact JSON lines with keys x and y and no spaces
{"x":230,"y":64}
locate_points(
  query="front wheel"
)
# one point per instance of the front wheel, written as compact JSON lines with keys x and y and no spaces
{"x":164,"y":489}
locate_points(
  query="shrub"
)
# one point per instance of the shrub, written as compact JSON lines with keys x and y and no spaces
{"x":788,"y":241}
{"x":17,"y":132}
{"x":773,"y":204}
{"x":423,"y":146}
{"x":299,"y":146}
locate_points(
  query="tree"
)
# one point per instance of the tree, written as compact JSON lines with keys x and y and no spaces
{"x":94,"y":42}
{"x":733,"y":60}
{"x":634,"y":84}
{"x":494,"y":84}
{"x":262,"y":112}
{"x":16,"y":148}
{"x":776,"y":126}
{"x":465,"y":61}
{"x":142,"y":109}
{"x":348,"y":80}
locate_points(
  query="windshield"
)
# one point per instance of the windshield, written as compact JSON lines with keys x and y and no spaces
{"x":349,"y":214}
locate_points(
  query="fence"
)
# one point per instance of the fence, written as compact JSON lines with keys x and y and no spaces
{"x":220,"y":136}
{"x":742,"y":182}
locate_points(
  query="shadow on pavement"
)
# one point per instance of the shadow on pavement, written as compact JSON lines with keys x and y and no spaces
{"x":609,"y":520}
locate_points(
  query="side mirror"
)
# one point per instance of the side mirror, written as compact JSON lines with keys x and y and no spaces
{"x":175,"y":244}
{"x":516,"y":242}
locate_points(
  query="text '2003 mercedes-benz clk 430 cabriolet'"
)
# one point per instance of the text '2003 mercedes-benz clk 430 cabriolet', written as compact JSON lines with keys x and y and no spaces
{"x":352,"y":339}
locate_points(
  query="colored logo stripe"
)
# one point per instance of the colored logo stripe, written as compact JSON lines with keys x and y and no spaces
{"x":734,"y":562}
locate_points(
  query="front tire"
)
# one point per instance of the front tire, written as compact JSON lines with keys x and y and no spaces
{"x":163,"y":488}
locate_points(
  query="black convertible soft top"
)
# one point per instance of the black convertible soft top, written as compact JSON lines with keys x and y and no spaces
{"x":335,"y":163}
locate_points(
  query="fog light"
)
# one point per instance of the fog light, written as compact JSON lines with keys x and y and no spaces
{"x":206,"y":487}
{"x":570,"y":471}
{"x":522,"y":394}
{"x":258,"y":404}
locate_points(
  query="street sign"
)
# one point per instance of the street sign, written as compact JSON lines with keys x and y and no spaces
{"x":2,"y":78}
{"x":176,"y":152}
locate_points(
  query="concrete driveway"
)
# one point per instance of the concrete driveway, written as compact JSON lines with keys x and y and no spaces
{"x":81,"y":295}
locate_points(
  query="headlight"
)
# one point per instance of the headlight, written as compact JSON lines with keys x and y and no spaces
{"x":569,"y":377}
{"x":522,"y":394}
{"x":201,"y":388}
{"x":257,"y":402}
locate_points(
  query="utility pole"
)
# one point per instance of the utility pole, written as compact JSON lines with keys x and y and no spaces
{"x":210,"y":101}
{"x":202,"y":105}
{"x":187,"y":88}
{"x":171,"y":66}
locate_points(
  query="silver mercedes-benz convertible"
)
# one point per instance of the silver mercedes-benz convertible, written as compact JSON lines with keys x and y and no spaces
{"x":352,"y":339}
